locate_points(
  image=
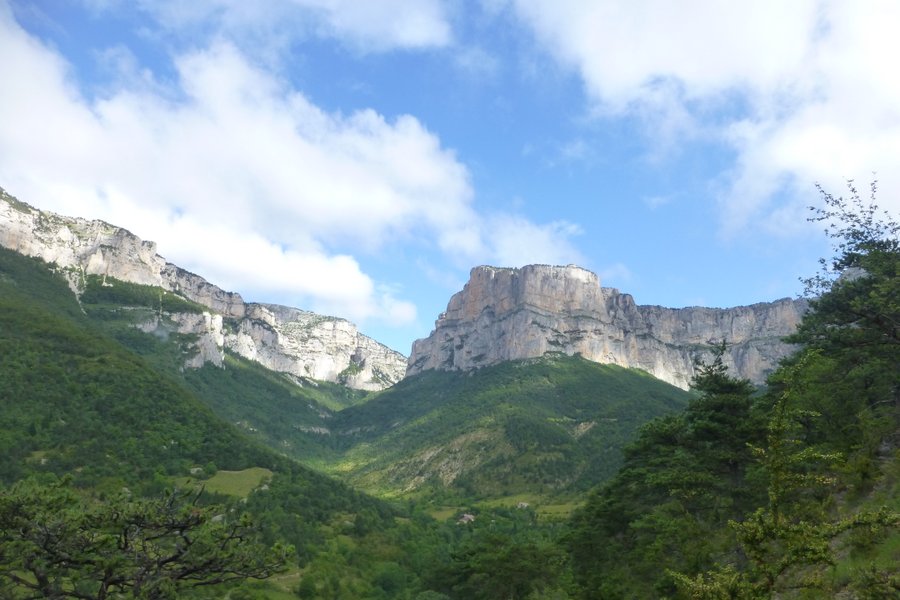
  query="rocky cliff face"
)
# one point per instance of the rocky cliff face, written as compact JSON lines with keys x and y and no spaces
{"x":508,"y":314}
{"x":307,"y":344}
{"x":283,"y":339}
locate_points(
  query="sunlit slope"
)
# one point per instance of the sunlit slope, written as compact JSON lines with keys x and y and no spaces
{"x":546,"y":426}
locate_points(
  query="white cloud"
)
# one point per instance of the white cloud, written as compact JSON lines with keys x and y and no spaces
{"x":654,"y":202}
{"x":513,"y":241}
{"x":477,"y":62}
{"x":242,"y":179}
{"x":369,"y":25}
{"x":625,"y":50}
{"x":239,"y":177}
{"x":802,"y":91}
{"x":615,"y":275}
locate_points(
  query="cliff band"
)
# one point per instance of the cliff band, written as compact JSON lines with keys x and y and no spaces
{"x":507,"y":314}
{"x":289,"y":340}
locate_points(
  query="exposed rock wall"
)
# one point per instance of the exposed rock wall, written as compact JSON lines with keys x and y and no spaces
{"x":311,"y":345}
{"x":206,"y":328}
{"x":508,"y":314}
{"x":283,"y":339}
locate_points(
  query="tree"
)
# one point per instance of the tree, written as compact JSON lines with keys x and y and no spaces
{"x":790,"y":540}
{"x":55,"y":543}
{"x":854,"y":325}
{"x":683,"y":478}
{"x":839,"y":392}
{"x":494,"y":565}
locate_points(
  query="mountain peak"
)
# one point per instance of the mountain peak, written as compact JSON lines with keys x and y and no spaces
{"x":507,"y":314}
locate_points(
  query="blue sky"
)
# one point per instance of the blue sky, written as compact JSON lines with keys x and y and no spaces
{"x":358,"y":158}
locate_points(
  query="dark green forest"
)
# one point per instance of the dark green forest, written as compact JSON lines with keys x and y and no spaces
{"x":790,"y":492}
{"x":114,"y":459}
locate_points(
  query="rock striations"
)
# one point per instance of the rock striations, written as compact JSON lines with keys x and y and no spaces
{"x":507,"y":314}
{"x":284,"y":339}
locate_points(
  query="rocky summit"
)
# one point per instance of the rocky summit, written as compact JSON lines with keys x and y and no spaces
{"x":288,"y":340}
{"x":507,"y":314}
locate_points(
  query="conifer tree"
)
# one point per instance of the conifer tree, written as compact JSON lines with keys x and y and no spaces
{"x":55,"y":543}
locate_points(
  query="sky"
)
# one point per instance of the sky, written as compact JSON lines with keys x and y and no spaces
{"x":358,"y":158}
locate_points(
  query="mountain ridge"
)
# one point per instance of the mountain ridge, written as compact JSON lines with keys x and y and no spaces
{"x":501,"y":314}
{"x":507,"y":314}
{"x":284,"y":339}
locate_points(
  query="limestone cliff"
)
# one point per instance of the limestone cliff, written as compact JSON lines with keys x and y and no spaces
{"x":508,"y":314}
{"x":307,"y":344}
{"x":283,"y":339}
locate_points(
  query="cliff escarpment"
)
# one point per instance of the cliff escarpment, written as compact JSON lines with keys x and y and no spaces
{"x":507,"y":314}
{"x":284,"y":339}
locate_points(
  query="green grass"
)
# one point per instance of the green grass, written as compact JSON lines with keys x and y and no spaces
{"x":443,"y":513}
{"x":547,"y":508}
{"x":238,"y":483}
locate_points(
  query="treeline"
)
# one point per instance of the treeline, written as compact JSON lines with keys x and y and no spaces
{"x":791,"y":493}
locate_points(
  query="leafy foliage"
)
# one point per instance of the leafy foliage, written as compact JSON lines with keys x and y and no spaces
{"x":73,"y":400}
{"x":493,"y":564}
{"x":683,"y":477}
{"x":295,"y":419}
{"x":55,"y":543}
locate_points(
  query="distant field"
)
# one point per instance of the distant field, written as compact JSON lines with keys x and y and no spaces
{"x":442,"y":513}
{"x":238,"y":483}
{"x":232,"y":483}
{"x":546,"y":509}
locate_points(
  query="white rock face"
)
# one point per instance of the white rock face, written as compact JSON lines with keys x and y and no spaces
{"x":509,"y":314}
{"x":206,"y":327}
{"x":281,"y":338}
{"x":310,"y":345}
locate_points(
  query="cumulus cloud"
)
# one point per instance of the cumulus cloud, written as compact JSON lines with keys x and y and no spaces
{"x":801,"y":91}
{"x":513,"y":241}
{"x":241,"y":179}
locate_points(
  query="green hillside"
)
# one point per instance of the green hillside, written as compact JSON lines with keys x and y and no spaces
{"x":99,"y":423}
{"x":727,"y":492}
{"x":286,"y":414}
{"x":74,"y":401}
{"x":77,"y":404}
{"x":544,"y":426}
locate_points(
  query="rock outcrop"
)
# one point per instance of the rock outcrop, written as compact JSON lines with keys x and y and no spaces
{"x":507,"y":314}
{"x":307,"y":344}
{"x":283,"y":339}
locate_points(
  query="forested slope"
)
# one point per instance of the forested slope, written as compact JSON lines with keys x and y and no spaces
{"x":543,"y":426}
{"x":794,"y":493}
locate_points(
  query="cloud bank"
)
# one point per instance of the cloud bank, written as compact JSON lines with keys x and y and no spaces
{"x":239,"y":177}
{"x":799,"y":91}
